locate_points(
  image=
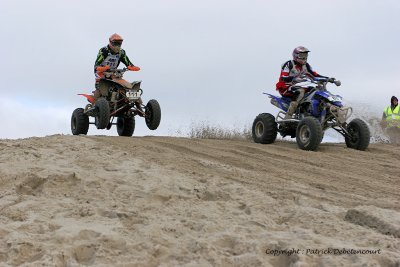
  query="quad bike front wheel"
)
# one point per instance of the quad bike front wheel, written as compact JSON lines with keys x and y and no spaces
{"x":79,"y":122}
{"x":264,"y":129}
{"x":125,"y":126}
{"x":153,"y":114}
{"x":359,"y":135}
{"x":309,"y":134}
{"x":102,"y":115}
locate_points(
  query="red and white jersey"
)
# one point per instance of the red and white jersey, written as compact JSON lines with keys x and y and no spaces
{"x":290,"y":70}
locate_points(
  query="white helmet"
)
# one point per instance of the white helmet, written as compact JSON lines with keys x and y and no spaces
{"x":300,"y":54}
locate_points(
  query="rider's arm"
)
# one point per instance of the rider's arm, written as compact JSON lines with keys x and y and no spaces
{"x":101,"y":56}
{"x":124,"y":59}
{"x":313,"y":73}
{"x":285,"y":77}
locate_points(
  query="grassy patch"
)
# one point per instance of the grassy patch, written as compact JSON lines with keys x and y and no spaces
{"x":206,"y":130}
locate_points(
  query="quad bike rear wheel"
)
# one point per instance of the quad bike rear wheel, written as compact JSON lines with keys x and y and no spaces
{"x":102,"y":116}
{"x":264,"y":129}
{"x":359,"y":135}
{"x":153,"y":114}
{"x":309,"y":134}
{"x":125,"y":126}
{"x":79,"y":122}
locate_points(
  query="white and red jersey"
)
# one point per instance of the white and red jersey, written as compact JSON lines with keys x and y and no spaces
{"x":290,"y":70}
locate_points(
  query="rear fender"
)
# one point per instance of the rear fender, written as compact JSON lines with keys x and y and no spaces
{"x":282,"y":103}
{"x":88,"y":97}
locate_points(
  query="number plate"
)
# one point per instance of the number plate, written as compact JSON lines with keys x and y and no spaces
{"x":133,"y":94}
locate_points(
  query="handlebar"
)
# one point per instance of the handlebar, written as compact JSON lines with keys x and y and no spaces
{"x":117,"y":70}
{"x":117,"y":73}
{"x":321,"y":80}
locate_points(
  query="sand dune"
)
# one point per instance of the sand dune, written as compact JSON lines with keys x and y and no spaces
{"x":163,"y":201}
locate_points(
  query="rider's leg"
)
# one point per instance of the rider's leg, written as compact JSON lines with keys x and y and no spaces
{"x":293,"y":105}
{"x":96,"y":92}
{"x":292,"y":108}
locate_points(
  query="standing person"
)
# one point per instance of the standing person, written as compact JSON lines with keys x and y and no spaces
{"x":291,"y":73}
{"x":391,"y":120}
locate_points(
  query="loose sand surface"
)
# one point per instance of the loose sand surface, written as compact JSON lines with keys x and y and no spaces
{"x":164,"y":201}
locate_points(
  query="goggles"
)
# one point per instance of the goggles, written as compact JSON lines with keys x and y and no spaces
{"x":302,"y":56}
{"x":116,"y":43}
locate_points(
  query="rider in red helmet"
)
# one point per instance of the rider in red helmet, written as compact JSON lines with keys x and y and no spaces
{"x":292,"y":73}
{"x":109,"y":57}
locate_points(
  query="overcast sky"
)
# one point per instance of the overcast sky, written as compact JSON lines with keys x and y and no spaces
{"x":202,"y":60}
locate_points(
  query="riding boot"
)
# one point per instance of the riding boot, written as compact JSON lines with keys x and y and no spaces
{"x":292,"y":108}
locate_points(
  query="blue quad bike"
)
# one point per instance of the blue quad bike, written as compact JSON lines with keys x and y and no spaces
{"x":318,"y":111}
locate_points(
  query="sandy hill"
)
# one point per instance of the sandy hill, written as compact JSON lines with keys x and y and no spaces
{"x":163,"y":201}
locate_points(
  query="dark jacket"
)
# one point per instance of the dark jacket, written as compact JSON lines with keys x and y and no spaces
{"x":105,"y":52}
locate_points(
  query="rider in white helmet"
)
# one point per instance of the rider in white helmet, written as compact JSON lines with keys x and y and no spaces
{"x":292,"y":73}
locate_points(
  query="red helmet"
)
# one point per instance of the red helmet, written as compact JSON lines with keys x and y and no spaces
{"x":300,"y":54}
{"x":115,"y":42}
